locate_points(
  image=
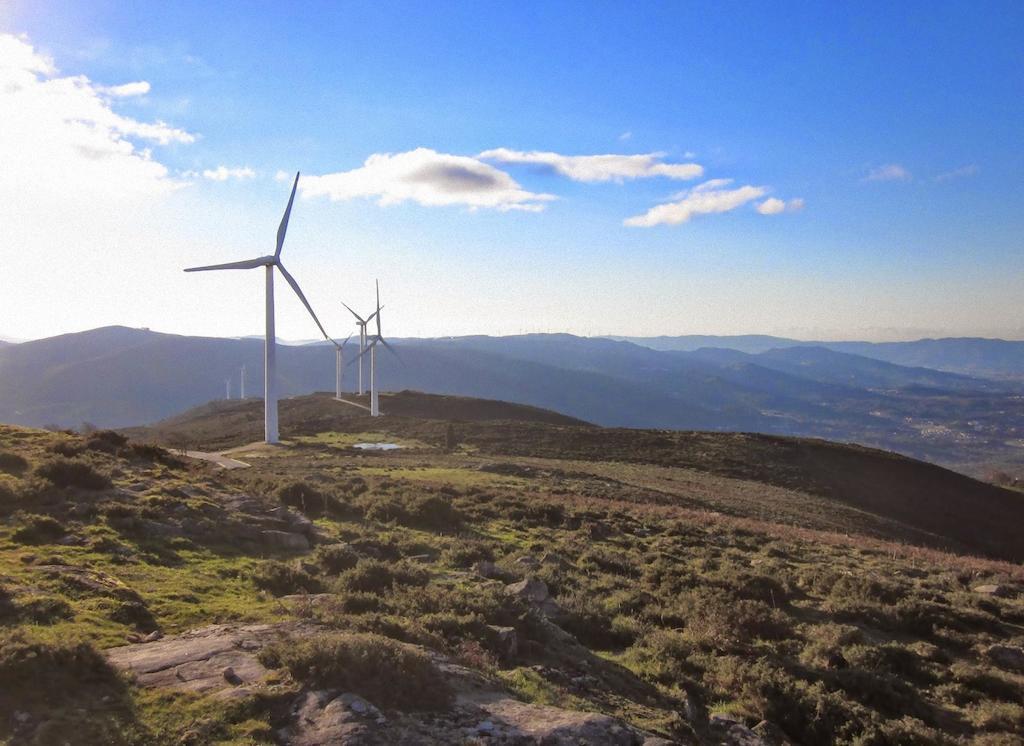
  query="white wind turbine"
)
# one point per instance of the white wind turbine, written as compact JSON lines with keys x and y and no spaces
{"x":270,"y":347}
{"x":373,"y":341}
{"x":361,"y":323}
{"x":339,"y":350}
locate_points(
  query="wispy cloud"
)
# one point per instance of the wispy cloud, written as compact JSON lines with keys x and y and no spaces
{"x":428,"y":178}
{"x":713,"y":196}
{"x":888,"y":172}
{"x":597,"y":168}
{"x":127,"y":90}
{"x":776,"y":206}
{"x":627,"y":135}
{"x":62,"y":137}
{"x":223,"y":173}
{"x":963,"y":172}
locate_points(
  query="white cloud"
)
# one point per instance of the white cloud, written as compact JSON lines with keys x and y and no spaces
{"x":707,"y":198}
{"x":428,"y":178}
{"x":595,"y":168}
{"x":959,"y":173}
{"x":127,"y":90}
{"x":626,"y":136}
{"x":771,"y":206}
{"x":888,"y":172}
{"x":61,"y":139}
{"x":223,"y":173}
{"x":775,"y":206}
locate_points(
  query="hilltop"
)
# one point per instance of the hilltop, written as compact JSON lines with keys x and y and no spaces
{"x":507,"y":576}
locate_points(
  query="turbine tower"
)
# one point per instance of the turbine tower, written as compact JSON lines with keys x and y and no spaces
{"x":361,"y":323}
{"x":227,"y":389}
{"x":241,"y":388}
{"x":270,"y":347}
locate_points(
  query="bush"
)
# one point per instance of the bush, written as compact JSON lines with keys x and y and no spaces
{"x":106,"y":441}
{"x":38,"y":529}
{"x":466,"y":553}
{"x":282,"y":578}
{"x":12,"y":463}
{"x":67,"y":472}
{"x":430,"y":512}
{"x":306,"y":498}
{"x":335,"y":558}
{"x":374,"y":576}
{"x":383,"y":671}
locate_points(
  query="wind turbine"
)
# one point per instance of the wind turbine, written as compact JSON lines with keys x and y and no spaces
{"x":227,"y":389}
{"x":270,"y":346}
{"x":338,"y":366}
{"x":376,"y":339}
{"x":361,"y":323}
{"x":241,"y":392}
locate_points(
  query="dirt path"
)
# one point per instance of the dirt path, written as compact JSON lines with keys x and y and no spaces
{"x":220,"y":459}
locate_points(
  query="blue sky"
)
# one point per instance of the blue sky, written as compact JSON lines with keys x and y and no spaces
{"x":884,"y":142}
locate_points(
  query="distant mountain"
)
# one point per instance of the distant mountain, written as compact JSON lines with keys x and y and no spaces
{"x":973,"y":356}
{"x":116,"y":377}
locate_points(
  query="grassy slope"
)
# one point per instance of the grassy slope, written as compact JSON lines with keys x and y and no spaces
{"x":679,"y":580}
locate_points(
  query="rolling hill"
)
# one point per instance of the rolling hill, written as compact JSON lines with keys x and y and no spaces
{"x":119,"y":377}
{"x":507,"y":575}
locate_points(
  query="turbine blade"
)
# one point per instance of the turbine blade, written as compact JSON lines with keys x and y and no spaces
{"x":358,"y":317}
{"x":346,"y":341}
{"x":245,"y":264}
{"x":373,"y":315}
{"x":391,"y":349}
{"x":371,"y":343}
{"x":283,"y":228}
{"x":298,"y":292}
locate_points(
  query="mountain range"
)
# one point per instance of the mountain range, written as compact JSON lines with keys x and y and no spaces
{"x":118,"y":376}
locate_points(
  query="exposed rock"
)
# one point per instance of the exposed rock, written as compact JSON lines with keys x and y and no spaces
{"x":325,"y":717}
{"x":727,"y":731}
{"x":527,"y":561}
{"x":197,"y":660}
{"x":1002,"y":591}
{"x":535,"y":593}
{"x":285,"y":540}
{"x":771,"y":734}
{"x":1008,"y":657}
{"x":506,"y":641}
{"x":552,"y":726}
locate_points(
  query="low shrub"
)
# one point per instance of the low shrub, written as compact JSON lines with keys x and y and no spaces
{"x":383,"y":671}
{"x":335,"y":558}
{"x":374,"y":576}
{"x":106,"y":441}
{"x":12,"y":463}
{"x":38,"y":529}
{"x":306,"y":498}
{"x":466,"y":553}
{"x":283,"y":578}
{"x":69,"y":472}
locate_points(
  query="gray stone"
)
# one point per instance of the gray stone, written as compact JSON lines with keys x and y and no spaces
{"x":506,"y":640}
{"x":729,"y":731}
{"x":1008,"y":657}
{"x":285,"y":540}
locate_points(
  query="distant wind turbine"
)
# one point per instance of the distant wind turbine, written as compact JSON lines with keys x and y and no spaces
{"x":270,"y":348}
{"x":241,"y":389}
{"x":339,"y":350}
{"x":373,"y":341}
{"x":227,"y":389}
{"x":361,"y":323}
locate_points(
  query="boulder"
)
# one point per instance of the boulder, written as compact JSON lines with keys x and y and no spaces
{"x":326,"y":717}
{"x":506,"y":641}
{"x":285,"y":540}
{"x":1008,"y":657}
{"x":535,"y":593}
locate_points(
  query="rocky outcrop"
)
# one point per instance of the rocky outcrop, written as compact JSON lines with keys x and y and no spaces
{"x":199,"y":660}
{"x":326,"y":717}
